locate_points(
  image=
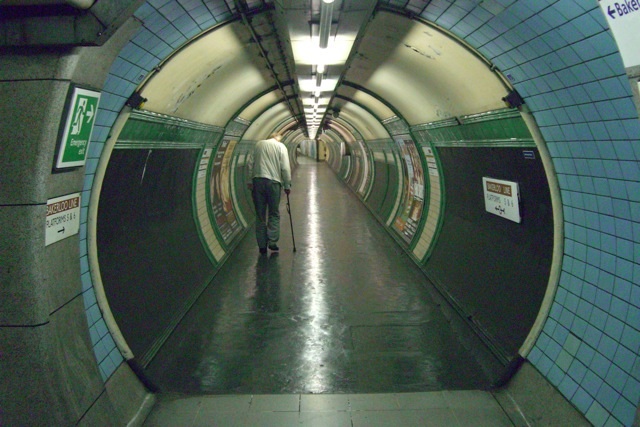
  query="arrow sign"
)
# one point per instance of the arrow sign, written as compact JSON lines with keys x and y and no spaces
{"x":80,"y":118}
{"x":623,"y":8}
{"x":624,"y":19}
{"x":90,"y":114}
{"x":62,"y":211}
{"x":502,"y":198}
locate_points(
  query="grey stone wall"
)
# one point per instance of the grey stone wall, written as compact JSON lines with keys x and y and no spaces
{"x":48,"y":372}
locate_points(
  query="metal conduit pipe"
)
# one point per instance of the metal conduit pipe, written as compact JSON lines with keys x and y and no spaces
{"x":263,"y":53}
{"x":326,"y":12}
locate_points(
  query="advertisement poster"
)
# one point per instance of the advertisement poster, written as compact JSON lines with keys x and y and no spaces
{"x":406,"y":222}
{"x":221,"y":193}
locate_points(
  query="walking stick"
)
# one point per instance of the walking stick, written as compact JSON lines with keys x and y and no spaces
{"x":291,"y":222}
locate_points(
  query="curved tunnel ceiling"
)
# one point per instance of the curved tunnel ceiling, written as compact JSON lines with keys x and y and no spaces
{"x":362,"y":120}
{"x":209,"y":80}
{"x":373,"y":104}
{"x":400,"y":66}
{"x":423,"y":73}
{"x":272,"y":119}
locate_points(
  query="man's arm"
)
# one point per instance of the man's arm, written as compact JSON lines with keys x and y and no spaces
{"x":285,"y":169}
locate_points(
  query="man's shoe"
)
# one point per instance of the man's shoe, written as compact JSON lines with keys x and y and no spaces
{"x":274,"y":247}
{"x":263,"y":250}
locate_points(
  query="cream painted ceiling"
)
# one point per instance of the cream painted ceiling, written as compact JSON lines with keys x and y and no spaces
{"x":366,"y":124}
{"x":398,"y":66}
{"x":272,"y":119}
{"x":209,"y":80}
{"x":424,"y":74}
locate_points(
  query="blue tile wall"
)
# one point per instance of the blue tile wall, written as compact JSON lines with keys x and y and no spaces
{"x":563,"y":60}
{"x":166,"y":25}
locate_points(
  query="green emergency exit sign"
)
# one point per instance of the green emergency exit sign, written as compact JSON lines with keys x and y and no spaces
{"x":80,"y":119}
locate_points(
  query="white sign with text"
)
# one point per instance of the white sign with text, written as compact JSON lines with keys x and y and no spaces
{"x":502,"y":198}
{"x":624,"y":19}
{"x":63,"y":218}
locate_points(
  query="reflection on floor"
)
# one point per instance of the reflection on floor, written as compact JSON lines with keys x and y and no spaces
{"x":343,"y":331}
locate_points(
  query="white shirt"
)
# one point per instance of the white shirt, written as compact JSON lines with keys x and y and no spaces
{"x":270,"y":160}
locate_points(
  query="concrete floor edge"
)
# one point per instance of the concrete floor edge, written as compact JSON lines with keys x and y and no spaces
{"x":439,"y":408}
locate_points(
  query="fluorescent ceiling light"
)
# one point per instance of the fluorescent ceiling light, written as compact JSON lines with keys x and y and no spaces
{"x":312,"y":101}
{"x":309,"y":53}
{"x":309,"y":85}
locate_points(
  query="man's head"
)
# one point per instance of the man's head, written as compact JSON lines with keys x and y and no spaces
{"x":277,"y":136}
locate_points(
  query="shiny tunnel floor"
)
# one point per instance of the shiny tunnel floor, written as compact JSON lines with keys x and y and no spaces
{"x":344,"y":331}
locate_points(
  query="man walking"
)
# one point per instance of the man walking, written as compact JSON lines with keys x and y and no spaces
{"x":269,"y":170}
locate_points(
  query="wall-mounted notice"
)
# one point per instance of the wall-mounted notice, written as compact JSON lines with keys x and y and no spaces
{"x":63,"y":218}
{"x":623,"y":17}
{"x":78,"y":127}
{"x":502,"y":198}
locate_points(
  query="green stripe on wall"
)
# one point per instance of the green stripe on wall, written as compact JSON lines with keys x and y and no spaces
{"x":146,"y":130}
{"x":500,"y":128}
{"x":511,"y":143}
{"x":176,"y":145}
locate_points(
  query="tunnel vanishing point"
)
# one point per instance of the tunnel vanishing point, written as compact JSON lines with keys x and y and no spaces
{"x":497,"y":141}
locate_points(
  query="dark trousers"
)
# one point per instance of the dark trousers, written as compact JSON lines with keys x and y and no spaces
{"x":266,"y":199}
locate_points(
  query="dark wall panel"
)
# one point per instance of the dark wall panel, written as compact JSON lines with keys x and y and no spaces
{"x":391,"y":192}
{"x":345,"y":167}
{"x":150,"y":254}
{"x":495,"y":269}
{"x":356,"y":172}
{"x":379,"y":188}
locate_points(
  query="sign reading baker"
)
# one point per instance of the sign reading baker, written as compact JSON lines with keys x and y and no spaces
{"x":502,"y":198}
{"x":63,"y":218}
{"x":623,"y":17}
